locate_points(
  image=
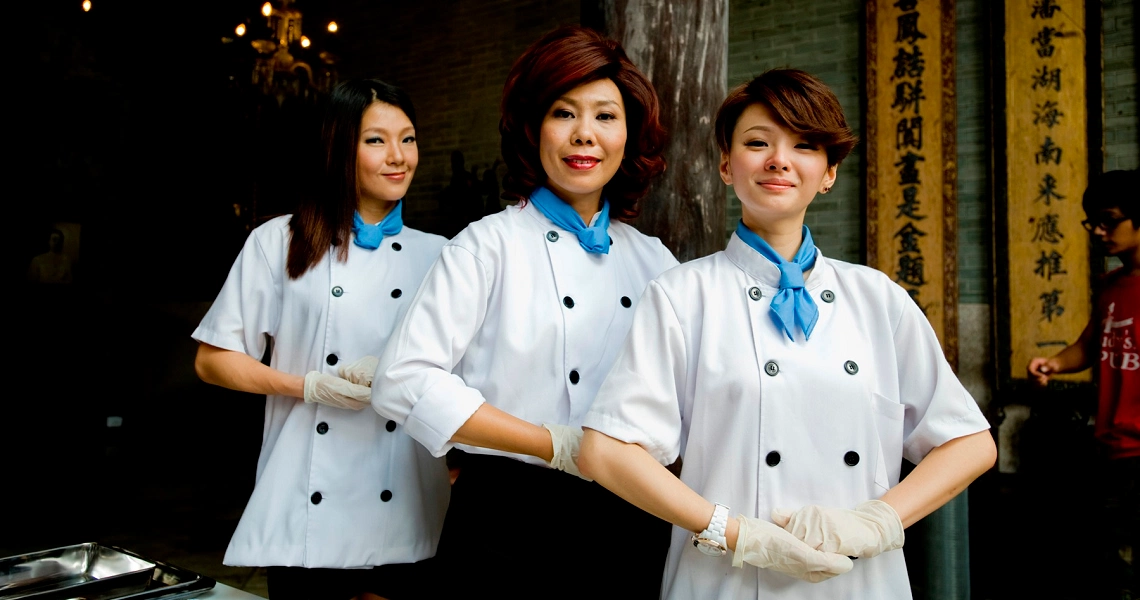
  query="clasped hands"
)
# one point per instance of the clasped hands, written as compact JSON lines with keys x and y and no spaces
{"x":816,"y":543}
{"x":352,"y":390}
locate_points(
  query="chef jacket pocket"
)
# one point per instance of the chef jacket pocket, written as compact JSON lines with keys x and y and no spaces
{"x":889,"y":423}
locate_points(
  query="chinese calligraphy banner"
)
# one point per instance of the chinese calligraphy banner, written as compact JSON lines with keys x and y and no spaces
{"x":912,"y":217}
{"x":1046,"y":262}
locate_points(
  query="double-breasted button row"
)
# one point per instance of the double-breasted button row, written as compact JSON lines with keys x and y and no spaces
{"x":850,"y":459}
{"x":773,"y":369}
{"x":755,"y":294}
{"x":331,"y":359}
{"x":396,"y":246}
{"x":574,"y":377}
{"x":316,"y":498}
{"x":323,"y":427}
{"x":568,"y":302}
{"x":338,"y":291}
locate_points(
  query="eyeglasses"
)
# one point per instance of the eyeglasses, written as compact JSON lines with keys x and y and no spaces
{"x":1105,"y":223}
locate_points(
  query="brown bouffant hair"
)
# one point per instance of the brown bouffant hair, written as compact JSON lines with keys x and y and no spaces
{"x":799,"y":101}
{"x":560,"y":61}
{"x":324,"y":218}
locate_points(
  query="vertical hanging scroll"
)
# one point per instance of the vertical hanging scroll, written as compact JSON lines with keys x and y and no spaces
{"x":912,"y":220}
{"x":1045,"y":263}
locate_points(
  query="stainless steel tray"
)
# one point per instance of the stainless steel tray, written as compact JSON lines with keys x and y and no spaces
{"x":44,"y":576}
{"x":88,"y":570}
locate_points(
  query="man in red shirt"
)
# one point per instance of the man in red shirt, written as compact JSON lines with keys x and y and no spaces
{"x":1111,"y":346}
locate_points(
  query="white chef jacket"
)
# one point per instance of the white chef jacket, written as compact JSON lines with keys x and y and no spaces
{"x":335,"y":488}
{"x":765,"y":422}
{"x":515,"y":313}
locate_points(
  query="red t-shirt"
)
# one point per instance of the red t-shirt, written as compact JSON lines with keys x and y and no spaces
{"x":1118,"y":372}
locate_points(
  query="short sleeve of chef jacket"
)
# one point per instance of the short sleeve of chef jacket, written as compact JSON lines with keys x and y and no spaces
{"x":938,"y":407}
{"x":248,"y":307}
{"x":639,"y":402}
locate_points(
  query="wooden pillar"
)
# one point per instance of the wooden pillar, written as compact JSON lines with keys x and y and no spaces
{"x":682,"y":47}
{"x":912,"y":173}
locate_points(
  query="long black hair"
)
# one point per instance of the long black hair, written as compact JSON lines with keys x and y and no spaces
{"x":324,"y":218}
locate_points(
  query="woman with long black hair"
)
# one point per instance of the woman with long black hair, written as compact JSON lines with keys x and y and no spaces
{"x":339,"y":490}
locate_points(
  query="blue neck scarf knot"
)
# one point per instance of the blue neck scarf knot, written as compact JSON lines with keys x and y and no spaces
{"x":792,"y":304}
{"x":369,"y":236}
{"x":595,"y":240}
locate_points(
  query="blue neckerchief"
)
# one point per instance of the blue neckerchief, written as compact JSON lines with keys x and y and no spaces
{"x":595,"y":240}
{"x":370,"y":236}
{"x":792,"y":302}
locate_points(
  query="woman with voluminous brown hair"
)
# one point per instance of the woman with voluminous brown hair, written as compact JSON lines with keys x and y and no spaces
{"x":516,"y":325}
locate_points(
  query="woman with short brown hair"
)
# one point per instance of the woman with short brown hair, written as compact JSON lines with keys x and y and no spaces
{"x":791,"y":385}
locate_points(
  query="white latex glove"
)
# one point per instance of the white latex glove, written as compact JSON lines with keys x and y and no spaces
{"x":566,"y":441}
{"x":334,"y":391}
{"x":869,"y":530}
{"x":768,"y":546}
{"x":361,"y":371}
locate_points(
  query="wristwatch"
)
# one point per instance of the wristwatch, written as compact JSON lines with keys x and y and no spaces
{"x":711,"y":541}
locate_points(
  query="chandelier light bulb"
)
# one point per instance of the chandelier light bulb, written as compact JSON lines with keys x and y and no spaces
{"x":86,"y":5}
{"x":267,"y":9}
{"x":305,"y":42}
{"x":332,"y":26}
{"x":240,"y":29}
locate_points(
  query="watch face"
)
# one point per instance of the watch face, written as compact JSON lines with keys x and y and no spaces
{"x":710,"y":547}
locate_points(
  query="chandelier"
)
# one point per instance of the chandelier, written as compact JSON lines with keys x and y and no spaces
{"x":286,"y":62}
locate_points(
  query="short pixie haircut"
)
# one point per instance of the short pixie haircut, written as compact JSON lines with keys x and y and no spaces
{"x":560,"y":61}
{"x":799,"y":101}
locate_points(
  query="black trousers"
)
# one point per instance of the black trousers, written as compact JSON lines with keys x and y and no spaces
{"x":515,"y":530}
{"x":395,"y":582}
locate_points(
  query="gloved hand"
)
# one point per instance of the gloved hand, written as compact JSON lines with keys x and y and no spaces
{"x":869,"y":530}
{"x":768,"y":546}
{"x":361,"y":371}
{"x":566,"y":441}
{"x":337,"y":392}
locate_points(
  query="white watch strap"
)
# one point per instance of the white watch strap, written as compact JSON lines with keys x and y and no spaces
{"x":712,"y":540}
{"x":717,"y":525}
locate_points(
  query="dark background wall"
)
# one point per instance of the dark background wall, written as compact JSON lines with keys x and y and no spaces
{"x":126,"y":124}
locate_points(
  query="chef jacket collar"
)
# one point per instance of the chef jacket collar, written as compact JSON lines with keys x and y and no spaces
{"x":766,"y":272}
{"x":546,"y":224}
